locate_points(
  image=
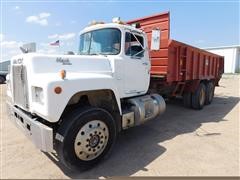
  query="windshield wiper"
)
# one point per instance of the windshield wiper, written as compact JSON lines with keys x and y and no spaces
{"x":83,"y":53}
{"x":102,"y":54}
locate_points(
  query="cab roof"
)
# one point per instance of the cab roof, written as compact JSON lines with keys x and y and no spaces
{"x":110,"y":25}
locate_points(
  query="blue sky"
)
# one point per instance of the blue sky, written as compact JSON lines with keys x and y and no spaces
{"x":202,"y":24}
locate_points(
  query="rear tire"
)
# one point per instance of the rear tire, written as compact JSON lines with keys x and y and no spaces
{"x":85,"y":137}
{"x":187,"y":99}
{"x":198,"y":97}
{"x":209,"y":93}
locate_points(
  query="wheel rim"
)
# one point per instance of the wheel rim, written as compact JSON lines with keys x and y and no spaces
{"x":91,"y":140}
{"x":202,"y":96}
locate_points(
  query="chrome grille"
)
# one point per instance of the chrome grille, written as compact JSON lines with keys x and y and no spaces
{"x":20,"y":92}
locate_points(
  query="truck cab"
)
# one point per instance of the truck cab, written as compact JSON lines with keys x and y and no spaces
{"x":126,"y":49}
{"x":76,"y":104}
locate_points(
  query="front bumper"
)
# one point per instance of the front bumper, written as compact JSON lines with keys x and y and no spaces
{"x":40,"y":134}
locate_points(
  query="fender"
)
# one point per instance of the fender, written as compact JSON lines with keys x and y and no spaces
{"x":56,"y":103}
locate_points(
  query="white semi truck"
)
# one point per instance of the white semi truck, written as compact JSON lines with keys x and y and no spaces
{"x":77,"y":104}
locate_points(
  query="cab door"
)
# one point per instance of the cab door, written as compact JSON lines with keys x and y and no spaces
{"x":136,"y":64}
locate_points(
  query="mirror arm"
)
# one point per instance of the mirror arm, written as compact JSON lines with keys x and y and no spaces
{"x":137,"y":40}
{"x":135,"y":55}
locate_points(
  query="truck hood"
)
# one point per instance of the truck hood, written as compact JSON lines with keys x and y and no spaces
{"x":48,"y":64}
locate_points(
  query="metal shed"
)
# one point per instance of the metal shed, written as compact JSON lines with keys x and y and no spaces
{"x":231,"y":55}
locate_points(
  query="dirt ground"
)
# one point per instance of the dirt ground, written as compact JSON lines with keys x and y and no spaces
{"x":182,"y":142}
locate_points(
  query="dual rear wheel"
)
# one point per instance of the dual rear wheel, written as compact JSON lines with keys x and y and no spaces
{"x":203,"y":95}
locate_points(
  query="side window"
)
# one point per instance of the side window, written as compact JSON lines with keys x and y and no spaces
{"x":85,"y":42}
{"x":134,"y":45}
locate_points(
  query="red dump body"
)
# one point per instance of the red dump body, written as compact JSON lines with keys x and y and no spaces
{"x":176,"y":61}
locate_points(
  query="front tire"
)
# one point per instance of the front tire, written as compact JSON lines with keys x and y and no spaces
{"x":87,"y":137}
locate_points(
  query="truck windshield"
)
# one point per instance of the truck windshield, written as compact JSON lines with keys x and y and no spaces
{"x":102,"y":41}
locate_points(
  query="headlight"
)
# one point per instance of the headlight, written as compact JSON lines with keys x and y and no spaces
{"x":8,"y":82}
{"x":38,"y":94}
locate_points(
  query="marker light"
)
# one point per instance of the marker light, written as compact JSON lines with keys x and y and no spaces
{"x":58,"y":90}
{"x":95,"y":23}
{"x":117,"y":20}
{"x":63,"y":74}
{"x":136,"y":25}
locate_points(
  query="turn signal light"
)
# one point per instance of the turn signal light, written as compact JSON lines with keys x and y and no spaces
{"x":63,"y":74}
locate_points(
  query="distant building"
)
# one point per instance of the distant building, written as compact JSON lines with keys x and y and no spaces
{"x":231,"y":57}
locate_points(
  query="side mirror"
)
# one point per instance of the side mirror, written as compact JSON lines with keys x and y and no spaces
{"x":155,"y":41}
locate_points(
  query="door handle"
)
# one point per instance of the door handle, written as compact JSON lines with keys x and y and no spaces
{"x":145,"y":63}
